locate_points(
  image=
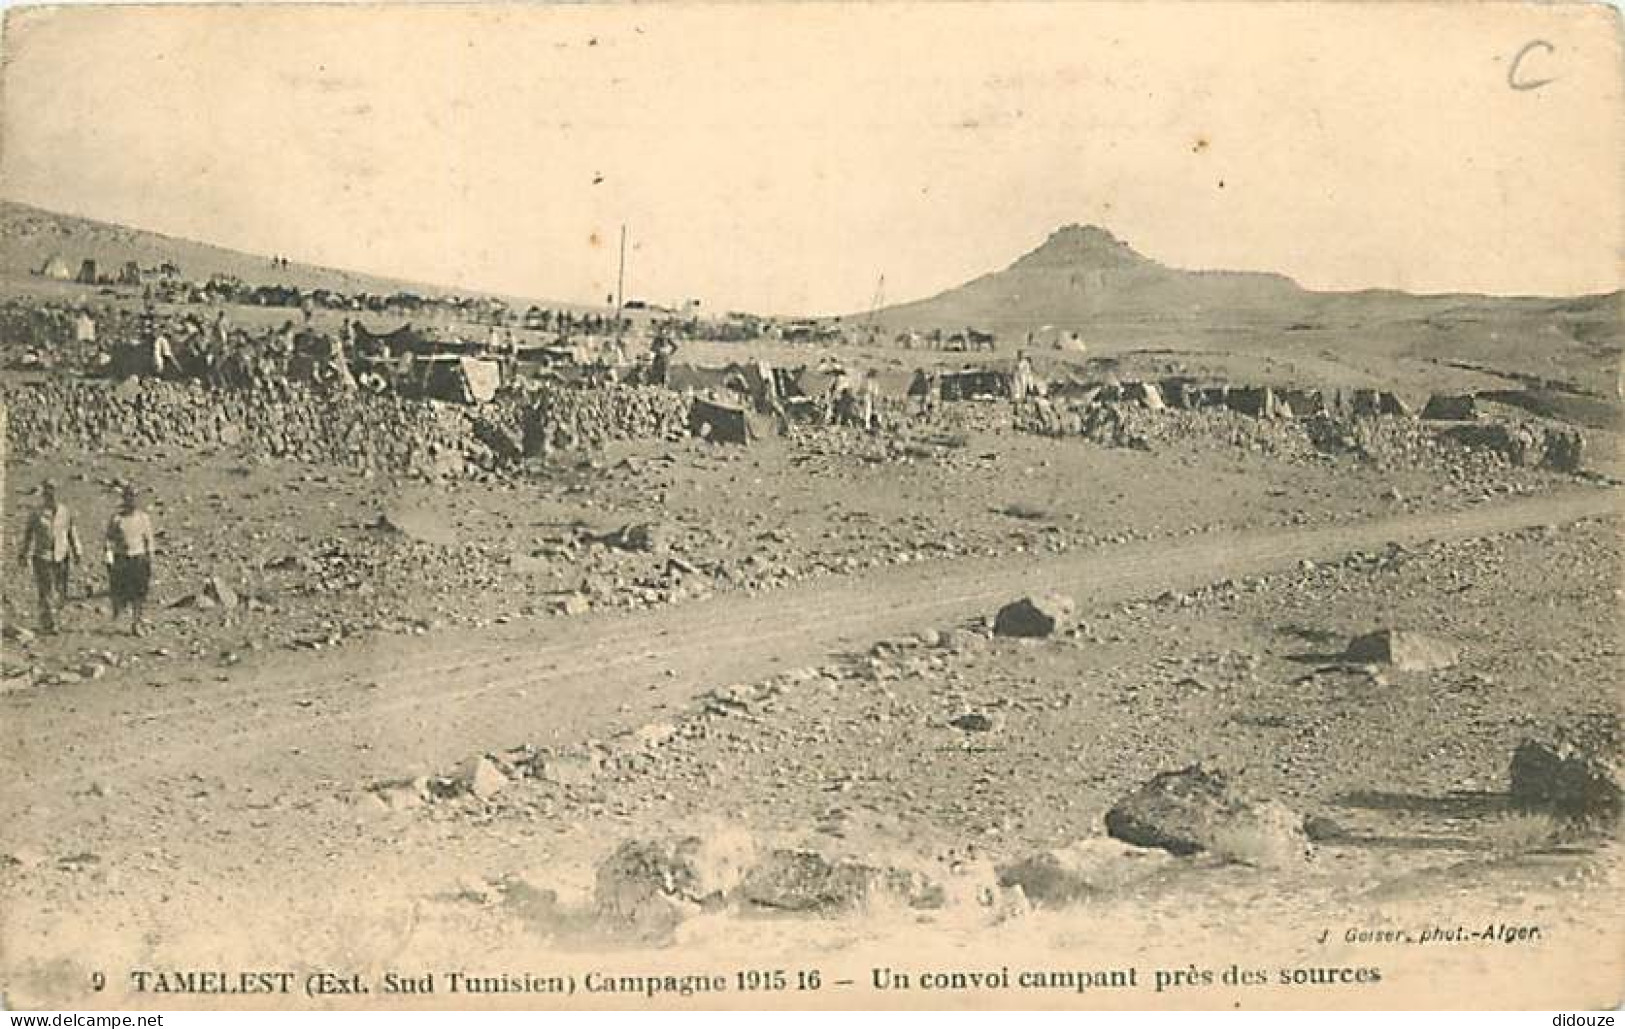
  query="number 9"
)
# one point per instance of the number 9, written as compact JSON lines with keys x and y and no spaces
{"x":98,"y":981}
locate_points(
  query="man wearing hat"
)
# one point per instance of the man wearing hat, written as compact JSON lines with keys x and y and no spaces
{"x":129,"y":560}
{"x":50,"y":542}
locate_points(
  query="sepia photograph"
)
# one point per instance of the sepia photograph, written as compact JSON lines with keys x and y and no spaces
{"x":812,"y":505}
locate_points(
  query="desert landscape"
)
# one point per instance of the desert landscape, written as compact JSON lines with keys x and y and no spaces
{"x":1199,"y":613}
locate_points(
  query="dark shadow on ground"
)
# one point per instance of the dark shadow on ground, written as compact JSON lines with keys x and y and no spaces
{"x":1457,"y":804}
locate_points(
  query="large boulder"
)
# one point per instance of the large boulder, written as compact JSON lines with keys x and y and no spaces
{"x":1193,"y":810}
{"x":1175,"y":811}
{"x":654,"y":884}
{"x":480,"y":777}
{"x":1036,"y":617}
{"x":1568,"y":778}
{"x":1403,"y":649}
{"x":807,"y":881}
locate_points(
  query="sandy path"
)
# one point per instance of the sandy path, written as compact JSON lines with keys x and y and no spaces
{"x":412,"y":704}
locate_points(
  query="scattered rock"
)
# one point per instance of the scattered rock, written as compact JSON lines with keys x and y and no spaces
{"x":975,"y":721}
{"x":220,"y":591}
{"x":652,"y":885}
{"x":401,"y":794}
{"x":655,"y":735}
{"x":416,"y":523}
{"x":963,"y":641}
{"x":1402,"y":649}
{"x":1036,"y":617}
{"x":481,"y":777}
{"x":644,"y":537}
{"x":806,"y":881}
{"x":574,"y":604}
{"x":1322,"y":829}
{"x":573,"y":767}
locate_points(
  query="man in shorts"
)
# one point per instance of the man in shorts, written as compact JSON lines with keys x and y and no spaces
{"x":130,"y":543}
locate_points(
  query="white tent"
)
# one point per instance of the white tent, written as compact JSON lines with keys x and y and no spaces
{"x":55,"y":267}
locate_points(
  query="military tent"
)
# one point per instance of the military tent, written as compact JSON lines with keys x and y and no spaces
{"x":56,"y":267}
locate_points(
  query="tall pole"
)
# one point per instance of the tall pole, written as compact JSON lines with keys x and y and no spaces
{"x":620,"y":284}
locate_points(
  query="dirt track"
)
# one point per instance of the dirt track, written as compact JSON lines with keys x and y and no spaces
{"x":286,"y":722}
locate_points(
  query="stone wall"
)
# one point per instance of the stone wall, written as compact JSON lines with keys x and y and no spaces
{"x":291,"y":422}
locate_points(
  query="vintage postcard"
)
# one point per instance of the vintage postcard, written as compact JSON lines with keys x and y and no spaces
{"x":811,"y":505}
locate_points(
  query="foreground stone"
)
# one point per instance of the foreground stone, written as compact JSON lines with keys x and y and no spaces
{"x":975,"y":721}
{"x":1568,"y":779}
{"x":1404,"y":650}
{"x":652,"y":885}
{"x":575,"y":766}
{"x":806,"y":881}
{"x":1193,"y":810}
{"x":481,"y":777}
{"x":1089,"y":869}
{"x":1036,"y":617}
{"x":219,"y":590}
{"x":1263,"y":834}
{"x":644,"y":537}
{"x":401,"y":794}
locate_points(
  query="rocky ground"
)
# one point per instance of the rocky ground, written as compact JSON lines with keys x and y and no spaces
{"x":649,"y":702}
{"x":311,"y":556}
{"x":238,"y":780}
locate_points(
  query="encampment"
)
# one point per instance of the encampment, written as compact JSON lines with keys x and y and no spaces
{"x":56,"y":267}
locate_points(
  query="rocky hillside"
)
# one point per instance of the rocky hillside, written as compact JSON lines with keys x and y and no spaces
{"x":30,"y":236}
{"x":1083,"y":273}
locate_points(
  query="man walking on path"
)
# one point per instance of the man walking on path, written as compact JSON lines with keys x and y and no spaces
{"x":130,"y":544}
{"x":50,"y":543}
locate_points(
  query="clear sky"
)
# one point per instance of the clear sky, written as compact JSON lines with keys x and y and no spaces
{"x":783,"y":157}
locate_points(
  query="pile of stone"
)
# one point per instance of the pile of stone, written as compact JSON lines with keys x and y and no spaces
{"x":293,"y":422}
{"x":1353,"y":423}
{"x":560,"y":416}
{"x":483,"y":777}
{"x":1525,"y":444}
{"x":360,"y":431}
{"x":1143,"y":427}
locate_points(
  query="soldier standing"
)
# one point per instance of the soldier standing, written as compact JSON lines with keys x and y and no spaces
{"x":130,"y":544}
{"x":51,"y":544}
